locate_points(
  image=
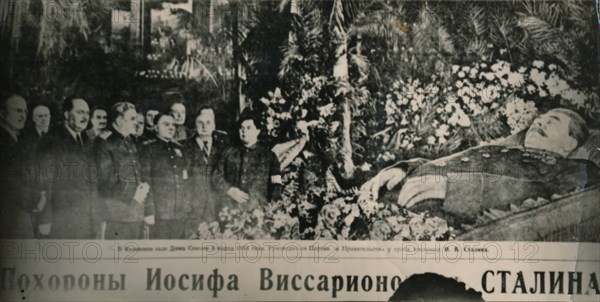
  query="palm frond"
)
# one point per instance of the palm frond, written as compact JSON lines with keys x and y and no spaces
{"x":478,"y":22}
{"x":445,"y":42}
{"x":291,"y":54}
{"x":353,"y":8}
{"x":477,"y":47}
{"x":575,"y":11}
{"x":343,"y":13}
{"x":362,"y":64}
{"x":550,"y":12}
{"x":304,"y":43}
{"x":336,"y":17}
{"x":385,"y":23}
{"x":501,"y":33}
{"x":420,"y":35}
{"x":538,"y":29}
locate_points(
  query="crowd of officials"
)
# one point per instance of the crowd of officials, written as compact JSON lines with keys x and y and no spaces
{"x":125,"y":173}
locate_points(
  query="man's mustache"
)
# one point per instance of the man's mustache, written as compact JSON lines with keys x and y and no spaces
{"x":539,"y":130}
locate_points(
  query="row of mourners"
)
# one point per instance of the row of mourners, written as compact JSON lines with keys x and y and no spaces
{"x":119,"y":173}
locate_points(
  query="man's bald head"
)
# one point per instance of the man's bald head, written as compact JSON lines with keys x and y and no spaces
{"x":13,"y":112}
{"x":41,"y":117}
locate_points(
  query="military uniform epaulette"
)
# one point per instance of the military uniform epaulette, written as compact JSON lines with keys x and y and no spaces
{"x":220,"y":135}
{"x":546,"y":157}
{"x":148,"y":142}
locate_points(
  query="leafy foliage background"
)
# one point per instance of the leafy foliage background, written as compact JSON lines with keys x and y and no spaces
{"x":371,"y":82}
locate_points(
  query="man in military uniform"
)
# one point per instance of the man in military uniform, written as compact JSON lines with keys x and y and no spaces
{"x":164,"y":167}
{"x":69,"y":188}
{"x":204,"y":150}
{"x":15,"y":203}
{"x":249,"y":174}
{"x":121,"y":190}
{"x":460,"y":186}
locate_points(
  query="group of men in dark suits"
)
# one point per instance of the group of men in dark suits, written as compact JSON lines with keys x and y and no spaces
{"x":127,"y":173}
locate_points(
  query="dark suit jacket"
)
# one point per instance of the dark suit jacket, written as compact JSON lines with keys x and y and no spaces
{"x":119,"y":174}
{"x":31,"y":140}
{"x":15,"y":202}
{"x":206,"y":200}
{"x":491,"y":177}
{"x":164,"y":167}
{"x":252,"y":171}
{"x":71,"y":187}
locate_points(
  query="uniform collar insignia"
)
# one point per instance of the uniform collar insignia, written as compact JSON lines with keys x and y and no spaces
{"x":544,"y":156}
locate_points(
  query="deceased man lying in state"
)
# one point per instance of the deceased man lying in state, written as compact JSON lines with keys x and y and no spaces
{"x":460,"y":186}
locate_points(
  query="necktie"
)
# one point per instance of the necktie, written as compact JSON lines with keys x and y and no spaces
{"x":206,"y":151}
{"x":128,"y":142}
{"x":79,"y":140}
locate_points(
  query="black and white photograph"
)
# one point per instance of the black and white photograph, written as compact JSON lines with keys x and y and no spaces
{"x":300,"y":120}
{"x":305,"y":150}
